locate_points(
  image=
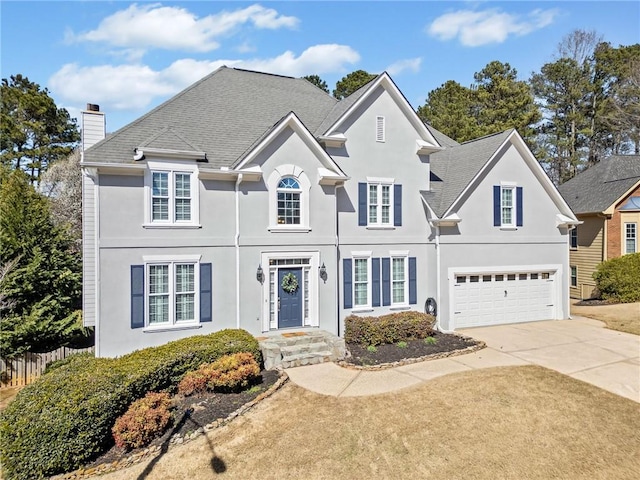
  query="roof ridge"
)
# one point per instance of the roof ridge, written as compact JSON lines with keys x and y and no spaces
{"x":263,"y":73}
{"x":488,"y":136}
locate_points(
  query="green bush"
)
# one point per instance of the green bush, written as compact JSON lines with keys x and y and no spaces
{"x":391,"y":328}
{"x":64,"y":419}
{"x":227,"y":374}
{"x":146,"y":419}
{"x":619,"y":278}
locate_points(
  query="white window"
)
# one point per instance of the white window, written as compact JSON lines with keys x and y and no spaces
{"x":361,"y":282}
{"x":172,"y":198}
{"x":172,"y":297}
{"x":399,"y":282}
{"x":574,"y":276}
{"x":507,"y":206}
{"x":380,"y":204}
{"x":289,"y":201}
{"x":380,"y":129}
{"x":630,"y":238}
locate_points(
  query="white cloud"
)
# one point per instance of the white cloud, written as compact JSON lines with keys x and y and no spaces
{"x":410,"y":64}
{"x":131,"y":87}
{"x":173,"y":28}
{"x":475,"y":28}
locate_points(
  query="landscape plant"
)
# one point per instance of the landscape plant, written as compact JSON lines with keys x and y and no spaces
{"x":391,"y":328}
{"x":64,"y":419}
{"x":144,"y":420}
{"x":618,"y":279}
{"x":227,"y":374}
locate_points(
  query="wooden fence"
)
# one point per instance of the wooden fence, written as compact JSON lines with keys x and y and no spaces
{"x":24,"y":369}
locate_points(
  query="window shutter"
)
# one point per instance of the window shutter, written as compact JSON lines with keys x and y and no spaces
{"x":518,"y":206}
{"x":497,"y":220}
{"x":380,"y":129}
{"x":206,"y":296}
{"x":137,"y":296}
{"x":375,"y":282}
{"x":386,"y":281}
{"x":413,"y":290}
{"x":397,"y":205}
{"x":362,"y":204}
{"x":347,"y":282}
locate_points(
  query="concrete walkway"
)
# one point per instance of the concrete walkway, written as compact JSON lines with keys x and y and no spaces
{"x":581,"y":348}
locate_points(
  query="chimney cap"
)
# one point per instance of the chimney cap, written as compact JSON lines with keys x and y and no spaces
{"x":92,"y":107}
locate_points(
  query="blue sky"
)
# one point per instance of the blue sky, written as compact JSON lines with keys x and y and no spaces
{"x":129,"y":57}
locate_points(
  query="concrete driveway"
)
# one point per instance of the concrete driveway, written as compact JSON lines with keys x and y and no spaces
{"x":581,"y":348}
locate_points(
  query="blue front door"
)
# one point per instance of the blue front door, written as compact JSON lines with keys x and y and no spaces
{"x":289,"y":302}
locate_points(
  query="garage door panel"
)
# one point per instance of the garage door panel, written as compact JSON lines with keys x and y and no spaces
{"x":504,"y":297}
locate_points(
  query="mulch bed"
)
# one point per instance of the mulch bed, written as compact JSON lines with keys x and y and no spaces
{"x":391,"y":353}
{"x":594,"y":302}
{"x":196,"y":411}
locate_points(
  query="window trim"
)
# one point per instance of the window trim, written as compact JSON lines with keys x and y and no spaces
{"x":172,"y":261}
{"x":512,"y":207}
{"x":298,"y":174}
{"x":573,"y":238}
{"x":379,"y":183}
{"x":625,"y":231}
{"x":361,"y":256}
{"x":405,"y":258}
{"x":573,"y":279}
{"x":172,"y":169}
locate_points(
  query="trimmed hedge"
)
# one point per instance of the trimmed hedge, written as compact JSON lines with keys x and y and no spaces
{"x":64,"y":419}
{"x":619,"y":278}
{"x":391,"y":328}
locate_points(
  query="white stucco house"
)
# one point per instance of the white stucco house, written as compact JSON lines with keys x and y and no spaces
{"x":258,"y":201}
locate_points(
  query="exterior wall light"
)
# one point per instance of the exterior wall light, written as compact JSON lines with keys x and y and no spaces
{"x":323,"y":273}
{"x":260,"y":274}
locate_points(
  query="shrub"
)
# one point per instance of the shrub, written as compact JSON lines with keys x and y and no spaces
{"x":391,"y":328}
{"x":619,"y":278}
{"x":64,"y":419}
{"x":228,"y":373}
{"x":146,"y":419}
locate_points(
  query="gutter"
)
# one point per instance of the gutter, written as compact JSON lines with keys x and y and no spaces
{"x":438,"y":304}
{"x":337,"y":242}
{"x":237,"y":248}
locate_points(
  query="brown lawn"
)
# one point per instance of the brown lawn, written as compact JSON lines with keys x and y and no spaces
{"x":624,"y":317}
{"x":509,"y":422}
{"x":7,"y":394}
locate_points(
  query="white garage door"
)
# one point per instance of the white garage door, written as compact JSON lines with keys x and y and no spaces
{"x":497,"y":298}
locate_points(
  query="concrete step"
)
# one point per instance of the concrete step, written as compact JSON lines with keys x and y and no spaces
{"x":284,"y":350}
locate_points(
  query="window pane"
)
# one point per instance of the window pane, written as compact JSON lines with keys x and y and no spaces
{"x":185,"y":278}
{"x":373,"y":213}
{"x":288,"y":208}
{"x":158,"y":279}
{"x":183,"y":185}
{"x":385,"y":214}
{"x":160,"y":209}
{"x":361,"y":270}
{"x":398,"y":292}
{"x":183,"y":209}
{"x":360,"y":294}
{"x":398,"y":269}
{"x":386,"y":195}
{"x":507,"y":206}
{"x":289,"y":183}
{"x":159,"y":309}
{"x":160,"y":184}
{"x":630,"y":237}
{"x":373,"y":194}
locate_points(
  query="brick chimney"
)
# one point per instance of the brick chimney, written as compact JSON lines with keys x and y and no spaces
{"x":93,"y":125}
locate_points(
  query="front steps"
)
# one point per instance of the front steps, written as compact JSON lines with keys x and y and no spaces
{"x":295,"y":349}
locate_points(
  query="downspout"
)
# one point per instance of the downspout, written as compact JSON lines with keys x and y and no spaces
{"x":337,"y":244}
{"x":438,"y":279}
{"x":237,"y":247}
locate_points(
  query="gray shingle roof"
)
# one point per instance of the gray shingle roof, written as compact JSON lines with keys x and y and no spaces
{"x":442,"y":139}
{"x":223,"y":115}
{"x":598,"y":187}
{"x":453,"y":168}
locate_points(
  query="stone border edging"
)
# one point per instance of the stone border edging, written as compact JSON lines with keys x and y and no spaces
{"x":408,"y":361}
{"x":176,"y":439}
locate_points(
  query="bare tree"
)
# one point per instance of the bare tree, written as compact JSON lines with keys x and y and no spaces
{"x":579,"y":45}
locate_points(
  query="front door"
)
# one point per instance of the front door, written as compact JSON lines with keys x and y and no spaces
{"x":289,"y":298}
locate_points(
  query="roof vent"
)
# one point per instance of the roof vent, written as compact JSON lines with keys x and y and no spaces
{"x":92,"y":107}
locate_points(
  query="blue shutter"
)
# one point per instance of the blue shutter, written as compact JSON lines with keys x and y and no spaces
{"x":375,"y":282}
{"x":413,"y":290}
{"x":137,"y":296}
{"x":362,"y":204}
{"x":386,"y":281}
{"x":206,"y":293}
{"x":519,"y":206}
{"x":397,"y":205}
{"x":497,"y":220}
{"x":347,"y":274}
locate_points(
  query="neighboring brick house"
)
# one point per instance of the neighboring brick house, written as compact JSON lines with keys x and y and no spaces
{"x":606,"y":198}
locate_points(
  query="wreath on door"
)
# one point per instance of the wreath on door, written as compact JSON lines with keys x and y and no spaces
{"x":289,"y":283}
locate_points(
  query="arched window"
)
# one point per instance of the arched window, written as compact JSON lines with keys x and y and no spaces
{"x":289,"y":201}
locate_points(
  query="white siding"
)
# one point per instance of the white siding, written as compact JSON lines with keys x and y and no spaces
{"x":88,"y":252}
{"x":93,"y":128}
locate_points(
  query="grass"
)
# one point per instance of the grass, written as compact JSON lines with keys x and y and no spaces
{"x":624,"y":317}
{"x":509,"y":422}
